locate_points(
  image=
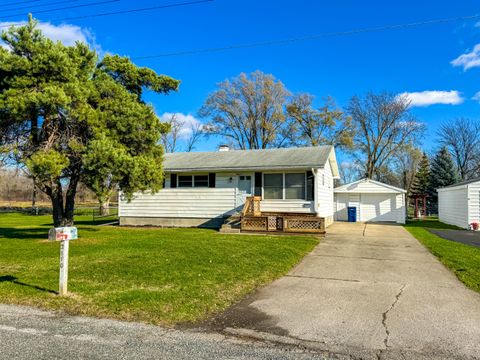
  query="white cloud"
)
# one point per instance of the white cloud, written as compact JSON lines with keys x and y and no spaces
{"x":187,"y":121}
{"x":468,"y":60}
{"x":427,"y":98}
{"x":66,"y":33}
{"x":476,"y":97}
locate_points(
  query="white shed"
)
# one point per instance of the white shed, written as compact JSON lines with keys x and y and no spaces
{"x":459,"y":204}
{"x":374,"y":201}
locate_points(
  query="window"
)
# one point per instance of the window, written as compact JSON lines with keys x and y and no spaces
{"x":200,"y":181}
{"x":273,"y":186}
{"x":185,"y":181}
{"x":310,"y":185}
{"x":193,"y":181}
{"x":295,"y":186}
{"x":284,"y":186}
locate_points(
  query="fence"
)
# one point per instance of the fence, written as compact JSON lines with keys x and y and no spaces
{"x":94,"y":212}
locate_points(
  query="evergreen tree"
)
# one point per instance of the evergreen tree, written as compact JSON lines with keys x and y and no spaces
{"x":443,"y":173}
{"x":66,"y":117}
{"x":421,"y":183}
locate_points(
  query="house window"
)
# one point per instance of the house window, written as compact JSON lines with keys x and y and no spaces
{"x":192,"y":181}
{"x":200,"y":181}
{"x":295,"y":186}
{"x":310,"y":186}
{"x":289,"y":186}
{"x":273,"y":186}
{"x":184,"y":181}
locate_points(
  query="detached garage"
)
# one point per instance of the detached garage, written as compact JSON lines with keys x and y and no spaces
{"x":459,"y":204}
{"x":372,"y":201}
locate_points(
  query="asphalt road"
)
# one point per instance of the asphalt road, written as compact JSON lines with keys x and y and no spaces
{"x":27,"y":333}
{"x":462,"y":236}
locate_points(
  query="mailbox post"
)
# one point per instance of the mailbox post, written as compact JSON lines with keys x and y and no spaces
{"x":64,"y":235}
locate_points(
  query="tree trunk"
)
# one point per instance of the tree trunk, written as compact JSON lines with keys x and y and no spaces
{"x":70,"y":200}
{"x":57,"y":207}
{"x":63,"y":212}
{"x":104,"y":207}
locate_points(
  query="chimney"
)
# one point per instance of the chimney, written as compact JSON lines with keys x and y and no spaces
{"x":223,"y":147}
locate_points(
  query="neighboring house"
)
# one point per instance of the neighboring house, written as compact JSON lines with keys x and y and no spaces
{"x":203,"y":188}
{"x":459,"y":204}
{"x":374,"y":201}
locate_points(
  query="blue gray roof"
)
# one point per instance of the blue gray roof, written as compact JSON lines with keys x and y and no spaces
{"x":471,"y":181}
{"x":268,"y":159}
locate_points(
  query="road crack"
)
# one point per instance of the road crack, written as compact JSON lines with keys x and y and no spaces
{"x":385,"y":316}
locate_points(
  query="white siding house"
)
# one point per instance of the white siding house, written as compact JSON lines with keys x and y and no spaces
{"x":203,"y":188}
{"x":459,"y":204}
{"x":374,"y":201}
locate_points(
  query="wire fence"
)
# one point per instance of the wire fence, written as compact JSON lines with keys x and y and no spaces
{"x":96,"y":214}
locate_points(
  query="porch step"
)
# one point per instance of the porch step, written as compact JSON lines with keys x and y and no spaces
{"x":231,"y":225}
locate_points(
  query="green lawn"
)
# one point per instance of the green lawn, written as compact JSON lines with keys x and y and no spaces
{"x":160,"y":276}
{"x":463,"y":260}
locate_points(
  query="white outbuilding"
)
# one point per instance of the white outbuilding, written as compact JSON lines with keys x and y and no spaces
{"x":459,"y":204}
{"x":373,"y":201}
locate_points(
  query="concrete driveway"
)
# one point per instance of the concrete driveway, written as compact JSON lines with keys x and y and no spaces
{"x":368,"y":291}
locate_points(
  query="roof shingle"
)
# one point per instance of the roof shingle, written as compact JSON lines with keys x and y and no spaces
{"x":267,"y":159}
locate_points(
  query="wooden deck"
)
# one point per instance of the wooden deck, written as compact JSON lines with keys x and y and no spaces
{"x":254,"y":220}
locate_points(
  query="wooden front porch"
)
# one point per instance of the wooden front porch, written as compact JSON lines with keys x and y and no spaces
{"x":254,"y":220}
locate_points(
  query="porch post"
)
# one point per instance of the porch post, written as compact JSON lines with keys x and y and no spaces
{"x":315,"y":190}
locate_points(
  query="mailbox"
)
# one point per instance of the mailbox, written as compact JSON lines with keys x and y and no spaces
{"x":63,"y":234}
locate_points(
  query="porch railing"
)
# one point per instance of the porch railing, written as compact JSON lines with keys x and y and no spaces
{"x":252,"y":206}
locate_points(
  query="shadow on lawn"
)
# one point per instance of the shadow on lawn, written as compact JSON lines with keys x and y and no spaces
{"x":23,"y":234}
{"x":432,"y":224}
{"x":40,"y":233}
{"x":14,"y":280}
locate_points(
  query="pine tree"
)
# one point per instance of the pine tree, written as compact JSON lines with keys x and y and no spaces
{"x":66,"y":118}
{"x":443,"y":173}
{"x":421,"y":182}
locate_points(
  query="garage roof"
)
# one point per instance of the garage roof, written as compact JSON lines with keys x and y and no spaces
{"x":461,"y":184}
{"x":369,"y":186}
{"x":265,"y":159}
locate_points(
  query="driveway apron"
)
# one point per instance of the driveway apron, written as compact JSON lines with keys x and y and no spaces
{"x":369,"y":291}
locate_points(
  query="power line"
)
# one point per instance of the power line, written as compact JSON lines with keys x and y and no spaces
{"x":66,"y":8}
{"x":19,"y":3}
{"x":135,"y":10}
{"x":40,"y":5}
{"x":310,"y":37}
{"x":128,"y":11}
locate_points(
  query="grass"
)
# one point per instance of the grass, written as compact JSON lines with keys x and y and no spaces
{"x":159,"y":276}
{"x":463,"y":260}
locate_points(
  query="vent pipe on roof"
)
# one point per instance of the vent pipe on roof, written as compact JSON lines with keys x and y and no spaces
{"x":224,"y":147}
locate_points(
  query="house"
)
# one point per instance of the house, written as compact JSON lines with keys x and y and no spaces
{"x":373,"y":201}
{"x":459,"y":204}
{"x":202,"y":189}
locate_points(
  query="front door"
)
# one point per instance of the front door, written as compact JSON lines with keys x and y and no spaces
{"x":244,"y":189}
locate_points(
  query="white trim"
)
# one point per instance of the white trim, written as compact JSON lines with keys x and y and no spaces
{"x":344,"y":188}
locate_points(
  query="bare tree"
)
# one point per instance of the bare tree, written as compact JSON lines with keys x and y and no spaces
{"x":405,"y":165}
{"x":462,"y":138}
{"x":248,"y":110}
{"x":383,"y":125}
{"x":178,"y":129}
{"x":350,"y":171}
{"x":327,"y":125}
{"x":196,"y":132}
{"x":170,"y":139}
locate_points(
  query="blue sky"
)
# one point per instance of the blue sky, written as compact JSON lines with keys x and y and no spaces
{"x":404,"y":60}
